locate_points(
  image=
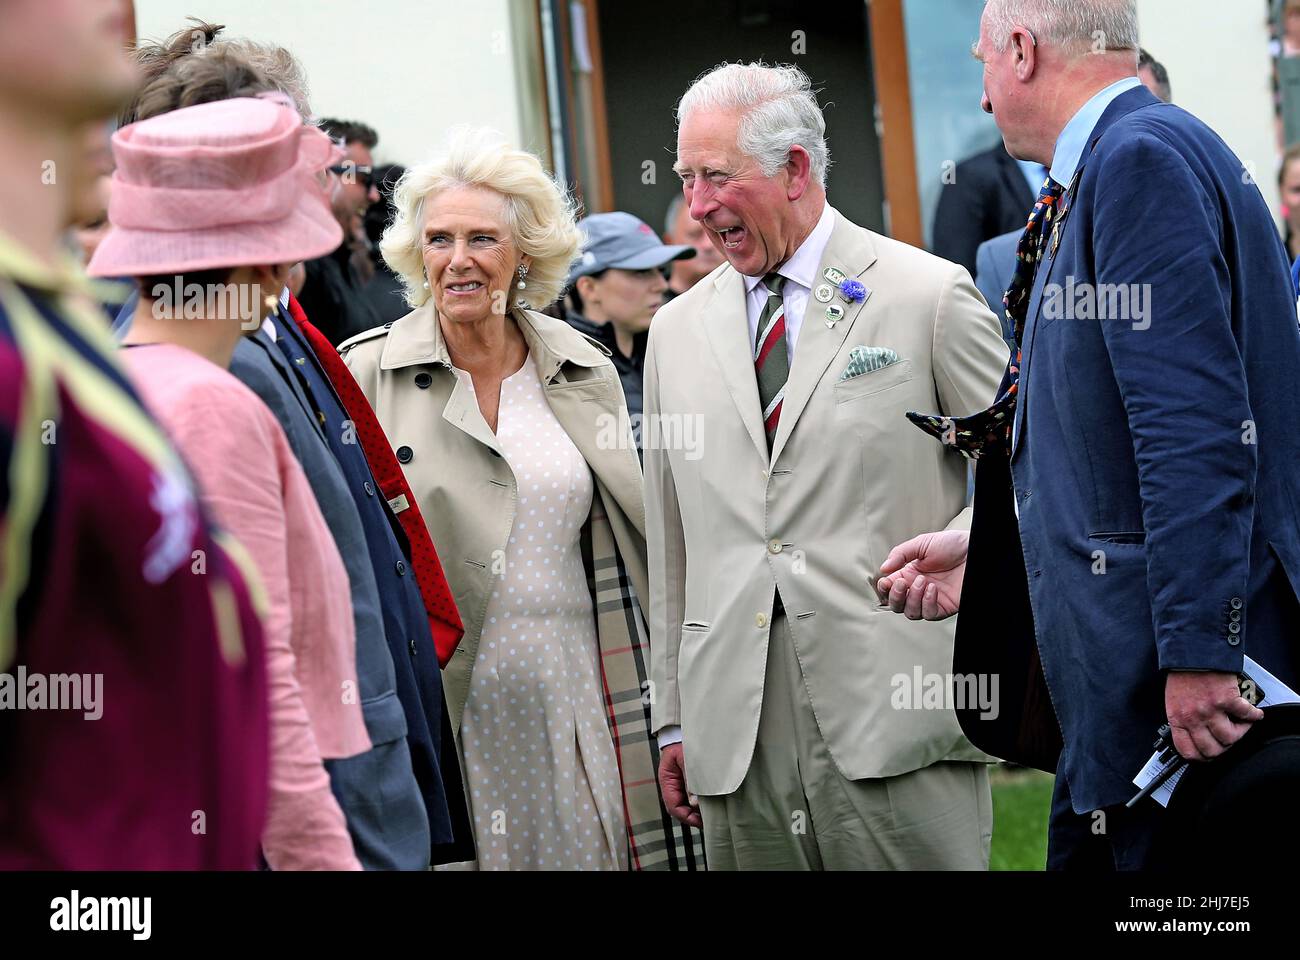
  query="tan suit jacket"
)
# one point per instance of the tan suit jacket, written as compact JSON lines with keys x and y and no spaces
{"x":849,"y":477}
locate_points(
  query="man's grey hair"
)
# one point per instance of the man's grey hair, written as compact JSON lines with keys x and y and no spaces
{"x":1096,"y":25}
{"x":778,"y":108}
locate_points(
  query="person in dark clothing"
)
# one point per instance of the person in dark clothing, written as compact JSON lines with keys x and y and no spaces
{"x":333,"y":292}
{"x":384,"y":292}
{"x":989,"y":195}
{"x":615,"y":288}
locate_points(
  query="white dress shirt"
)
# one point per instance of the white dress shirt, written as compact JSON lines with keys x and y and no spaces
{"x":800,"y":273}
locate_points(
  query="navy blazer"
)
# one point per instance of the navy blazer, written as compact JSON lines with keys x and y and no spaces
{"x":1156,"y":466}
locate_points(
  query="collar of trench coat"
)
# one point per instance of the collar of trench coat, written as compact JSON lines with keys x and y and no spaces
{"x":582,"y":388}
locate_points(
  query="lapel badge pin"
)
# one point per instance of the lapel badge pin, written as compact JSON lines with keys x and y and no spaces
{"x":834,"y":314}
{"x":823,"y":293}
{"x":835,"y":276}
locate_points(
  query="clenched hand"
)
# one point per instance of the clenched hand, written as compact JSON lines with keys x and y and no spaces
{"x":922,"y":578}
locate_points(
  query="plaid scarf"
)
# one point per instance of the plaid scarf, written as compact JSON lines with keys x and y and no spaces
{"x":655,"y":840}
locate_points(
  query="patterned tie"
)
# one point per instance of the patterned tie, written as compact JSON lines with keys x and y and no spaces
{"x":971,"y":435}
{"x":771,"y":356}
{"x":444,"y":618}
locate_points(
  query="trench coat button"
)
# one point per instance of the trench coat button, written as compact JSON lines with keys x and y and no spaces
{"x":369,"y":488}
{"x":1233,"y":640}
{"x":404,"y":454}
{"x":774,"y":546}
{"x":1234,"y":628}
{"x":1235,"y":603}
{"x":422,"y":380}
{"x":401,"y":568}
{"x":761,"y":620}
{"x":1235,"y":616}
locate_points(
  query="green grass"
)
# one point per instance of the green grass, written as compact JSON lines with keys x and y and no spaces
{"x":1021,"y":801}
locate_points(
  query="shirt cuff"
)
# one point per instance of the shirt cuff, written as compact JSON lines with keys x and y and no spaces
{"x":670,"y":735}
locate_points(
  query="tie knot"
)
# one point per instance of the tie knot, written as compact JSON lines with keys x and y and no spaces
{"x":1051,"y":190}
{"x":773,"y":282}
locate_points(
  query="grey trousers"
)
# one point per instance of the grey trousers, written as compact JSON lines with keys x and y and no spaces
{"x":795,"y":811}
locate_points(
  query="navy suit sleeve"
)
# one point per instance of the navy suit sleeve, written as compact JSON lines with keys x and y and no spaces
{"x":984,"y":273}
{"x":1183,"y":382}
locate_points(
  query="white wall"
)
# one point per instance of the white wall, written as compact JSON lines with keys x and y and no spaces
{"x":427,"y":65}
{"x":1219,"y":66}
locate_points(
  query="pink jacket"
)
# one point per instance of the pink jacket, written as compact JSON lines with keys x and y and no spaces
{"x":253,"y":486}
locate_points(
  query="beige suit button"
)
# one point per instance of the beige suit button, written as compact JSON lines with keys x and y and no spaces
{"x":774,"y":547}
{"x":761,"y":620}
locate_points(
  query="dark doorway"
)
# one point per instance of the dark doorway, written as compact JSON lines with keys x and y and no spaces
{"x":651,"y":53}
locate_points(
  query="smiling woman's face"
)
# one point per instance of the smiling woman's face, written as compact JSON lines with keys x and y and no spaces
{"x":470,"y":258}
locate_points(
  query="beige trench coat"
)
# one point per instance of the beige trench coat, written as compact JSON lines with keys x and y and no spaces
{"x":467,"y":494}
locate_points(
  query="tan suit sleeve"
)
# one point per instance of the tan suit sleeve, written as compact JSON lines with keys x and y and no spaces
{"x":969,"y":355}
{"x":667,"y":555}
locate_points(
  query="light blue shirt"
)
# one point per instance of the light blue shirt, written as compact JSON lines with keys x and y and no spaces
{"x":1074,"y":138}
{"x":1035,"y":173}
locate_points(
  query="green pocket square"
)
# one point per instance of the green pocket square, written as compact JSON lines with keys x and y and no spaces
{"x":867,"y":359}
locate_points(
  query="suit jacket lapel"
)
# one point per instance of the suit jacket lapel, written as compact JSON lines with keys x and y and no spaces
{"x":291,"y":376}
{"x":726,"y":324}
{"x":849,"y":250}
{"x":1120,"y":107}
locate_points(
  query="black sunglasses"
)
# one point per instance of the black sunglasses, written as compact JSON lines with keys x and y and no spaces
{"x":363,"y":174}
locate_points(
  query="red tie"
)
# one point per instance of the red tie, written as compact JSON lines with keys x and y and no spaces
{"x":444,"y":619}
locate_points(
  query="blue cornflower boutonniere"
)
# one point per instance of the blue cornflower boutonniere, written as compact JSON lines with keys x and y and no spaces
{"x":853,"y":291}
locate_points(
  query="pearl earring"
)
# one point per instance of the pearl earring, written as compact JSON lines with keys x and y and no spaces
{"x":523,"y":272}
{"x":426,"y":284}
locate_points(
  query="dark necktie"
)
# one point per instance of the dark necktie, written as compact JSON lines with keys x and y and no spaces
{"x":771,"y":355}
{"x":971,"y":435}
{"x":444,"y":618}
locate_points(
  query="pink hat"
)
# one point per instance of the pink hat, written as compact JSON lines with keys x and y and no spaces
{"x":224,"y":184}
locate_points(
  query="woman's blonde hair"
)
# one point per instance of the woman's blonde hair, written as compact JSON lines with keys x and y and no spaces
{"x":540,"y":214}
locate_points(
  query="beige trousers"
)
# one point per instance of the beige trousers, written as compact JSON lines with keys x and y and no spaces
{"x":796,"y":811}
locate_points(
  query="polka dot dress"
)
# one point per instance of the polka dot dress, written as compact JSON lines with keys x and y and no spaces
{"x":539,"y":759}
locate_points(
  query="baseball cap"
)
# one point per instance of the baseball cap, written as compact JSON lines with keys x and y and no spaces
{"x":622,"y":241}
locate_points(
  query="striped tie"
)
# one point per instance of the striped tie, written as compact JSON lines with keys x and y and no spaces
{"x":771,"y":357}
